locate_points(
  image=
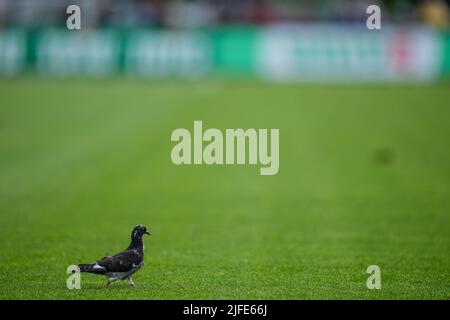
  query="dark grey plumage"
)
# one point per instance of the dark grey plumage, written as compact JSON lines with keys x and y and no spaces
{"x":122,"y":265}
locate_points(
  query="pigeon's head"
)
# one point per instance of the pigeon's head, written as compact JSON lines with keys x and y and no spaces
{"x":139,"y":231}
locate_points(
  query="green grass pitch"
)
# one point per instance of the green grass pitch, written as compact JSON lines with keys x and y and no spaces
{"x":364,"y":179}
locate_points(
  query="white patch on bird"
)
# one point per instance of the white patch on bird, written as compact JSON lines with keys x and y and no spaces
{"x":97,"y":266}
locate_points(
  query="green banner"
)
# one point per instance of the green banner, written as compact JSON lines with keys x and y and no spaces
{"x":311,"y":52}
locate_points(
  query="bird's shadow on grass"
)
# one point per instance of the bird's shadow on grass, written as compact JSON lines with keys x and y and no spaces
{"x":111,"y":287}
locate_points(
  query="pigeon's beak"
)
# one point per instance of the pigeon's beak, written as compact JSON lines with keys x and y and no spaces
{"x":146,"y":232}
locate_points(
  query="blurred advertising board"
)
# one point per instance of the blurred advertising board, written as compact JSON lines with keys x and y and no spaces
{"x":320,"y":53}
{"x":331,"y":53}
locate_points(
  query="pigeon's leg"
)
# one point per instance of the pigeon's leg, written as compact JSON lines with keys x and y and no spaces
{"x":108,"y":283}
{"x":130,"y":282}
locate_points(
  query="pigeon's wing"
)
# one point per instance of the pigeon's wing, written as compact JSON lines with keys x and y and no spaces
{"x":121,"y":262}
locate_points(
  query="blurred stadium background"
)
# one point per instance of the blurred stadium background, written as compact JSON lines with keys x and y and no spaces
{"x":364,"y":118}
{"x":276,"y":40}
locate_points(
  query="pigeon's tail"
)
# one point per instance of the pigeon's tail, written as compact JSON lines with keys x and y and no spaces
{"x":86,"y":267}
{"x":92,"y":268}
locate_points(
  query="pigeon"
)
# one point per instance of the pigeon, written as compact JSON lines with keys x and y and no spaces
{"x":122,"y":265}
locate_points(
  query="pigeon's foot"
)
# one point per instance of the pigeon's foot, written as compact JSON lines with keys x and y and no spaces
{"x":130,"y":282}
